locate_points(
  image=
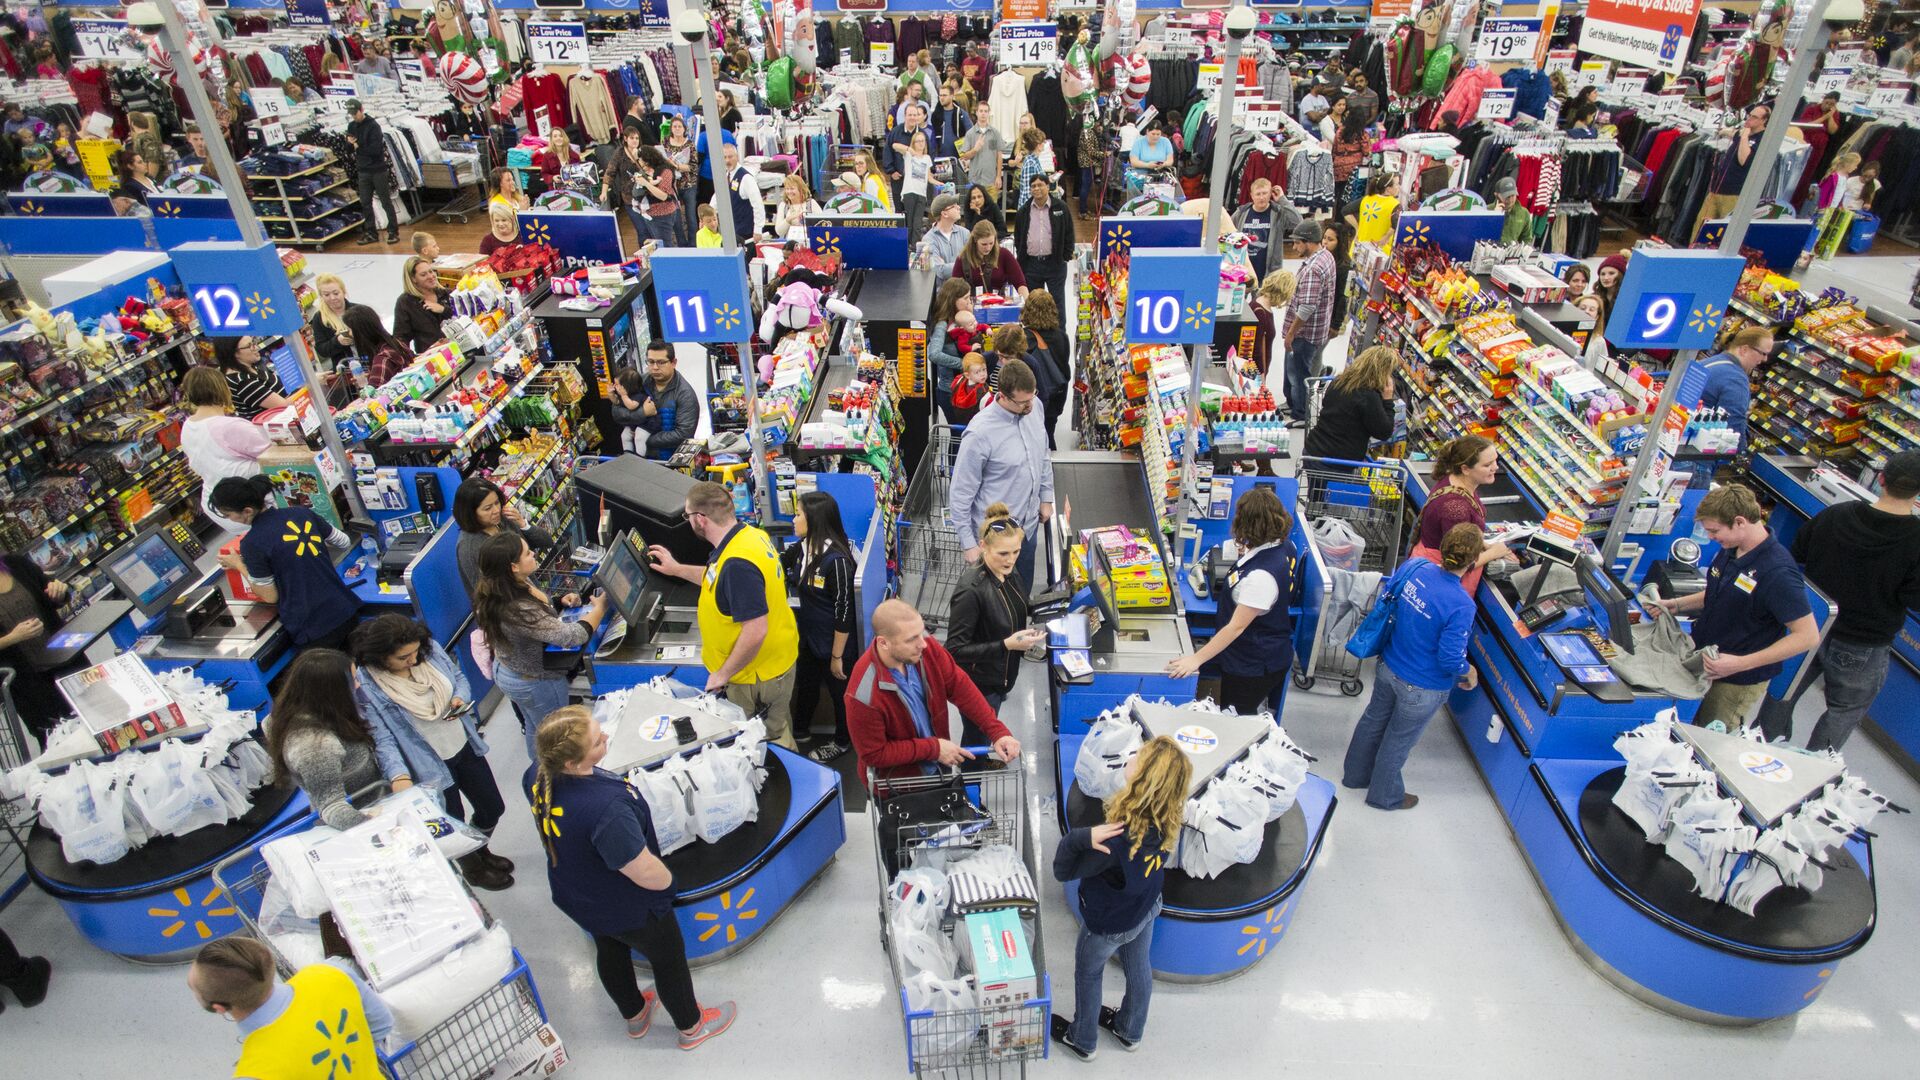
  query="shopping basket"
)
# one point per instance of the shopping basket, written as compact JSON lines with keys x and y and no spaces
{"x":465,"y":1045}
{"x":990,"y":1041}
{"x":930,"y":558}
{"x":1368,"y":500}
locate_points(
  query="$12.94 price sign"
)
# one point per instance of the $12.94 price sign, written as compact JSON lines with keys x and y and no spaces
{"x":1508,"y":39}
{"x":1029,"y":44}
{"x":558,"y":43}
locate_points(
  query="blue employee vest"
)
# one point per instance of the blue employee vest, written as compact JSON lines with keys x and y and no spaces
{"x":596,"y":896}
{"x":1267,"y":644}
{"x":815,"y":613}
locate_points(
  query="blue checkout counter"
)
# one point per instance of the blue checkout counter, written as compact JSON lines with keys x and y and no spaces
{"x":1894,"y":717}
{"x":1545,"y":749}
{"x":1208,"y":929}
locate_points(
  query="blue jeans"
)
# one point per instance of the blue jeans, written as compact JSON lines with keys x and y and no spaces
{"x":1395,"y":716}
{"x":535,"y":697}
{"x":1023,"y":564}
{"x":1303,"y":357}
{"x":1855,"y":676}
{"x":1090,"y":956}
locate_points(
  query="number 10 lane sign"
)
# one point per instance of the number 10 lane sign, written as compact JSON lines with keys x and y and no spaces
{"x":1172,"y":296}
{"x":557,"y":43}
{"x":1029,"y":44}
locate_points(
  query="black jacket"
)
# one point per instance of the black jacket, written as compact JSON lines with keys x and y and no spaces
{"x":1062,"y":230}
{"x":1349,"y":419}
{"x":370,"y":146}
{"x":328,"y":347}
{"x":414,"y":325}
{"x":981,"y":615}
{"x":34,"y":695}
{"x":1869,"y":561}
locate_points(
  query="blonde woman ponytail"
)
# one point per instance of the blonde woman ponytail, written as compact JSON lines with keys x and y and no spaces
{"x":561,"y":741}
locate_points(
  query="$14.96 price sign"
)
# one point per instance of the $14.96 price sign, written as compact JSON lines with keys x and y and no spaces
{"x":1029,"y":44}
{"x":1508,"y":39}
{"x":557,"y":43}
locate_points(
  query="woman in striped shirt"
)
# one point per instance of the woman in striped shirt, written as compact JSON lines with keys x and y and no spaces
{"x":255,"y":386}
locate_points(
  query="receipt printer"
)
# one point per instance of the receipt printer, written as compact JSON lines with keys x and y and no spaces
{"x":400,"y":553}
{"x":195,"y":613}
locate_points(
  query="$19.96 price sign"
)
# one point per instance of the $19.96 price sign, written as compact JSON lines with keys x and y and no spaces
{"x":1029,"y":44}
{"x":557,"y":43}
{"x":1508,"y":39}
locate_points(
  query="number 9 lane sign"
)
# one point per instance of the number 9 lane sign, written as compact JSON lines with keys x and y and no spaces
{"x":1673,"y":299}
{"x":702,"y":296}
{"x":1172,"y":296}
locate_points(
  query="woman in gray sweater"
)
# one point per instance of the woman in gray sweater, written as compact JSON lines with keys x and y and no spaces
{"x":317,"y":738}
{"x":520,"y":622}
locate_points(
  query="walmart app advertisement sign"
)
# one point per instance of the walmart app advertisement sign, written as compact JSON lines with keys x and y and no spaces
{"x":1645,"y":33}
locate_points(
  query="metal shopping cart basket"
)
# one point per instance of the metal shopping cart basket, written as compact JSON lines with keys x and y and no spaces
{"x":1365,"y":503}
{"x":921,"y":820}
{"x":930,"y":559}
{"x":465,"y":1045}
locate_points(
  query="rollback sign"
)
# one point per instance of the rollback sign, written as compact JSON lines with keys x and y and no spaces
{"x":1650,"y":33}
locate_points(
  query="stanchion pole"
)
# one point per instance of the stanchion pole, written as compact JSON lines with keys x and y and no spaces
{"x":1617,"y":528}
{"x":1813,"y":42}
{"x":228,"y":172}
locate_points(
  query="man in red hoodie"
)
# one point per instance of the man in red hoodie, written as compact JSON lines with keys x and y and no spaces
{"x":897,"y":700}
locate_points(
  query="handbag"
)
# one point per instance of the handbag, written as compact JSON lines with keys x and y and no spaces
{"x":1371,"y":636}
{"x":919,"y":817}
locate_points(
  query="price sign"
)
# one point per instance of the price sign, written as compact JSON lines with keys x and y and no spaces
{"x":1029,"y":44}
{"x":268,"y":104}
{"x":1262,"y":116}
{"x":1562,"y":60}
{"x":1629,"y":81}
{"x":1591,"y":73}
{"x":308,"y":13}
{"x":1668,"y":103}
{"x":1174,"y":296}
{"x":101,"y":39}
{"x":1673,"y":299}
{"x":561,"y":43}
{"x":273,"y":132}
{"x":1850,"y":58}
{"x":1831,"y":80}
{"x":1209,"y":80}
{"x":1508,"y":39}
{"x":1886,"y":97}
{"x":702,"y":295}
{"x":339,"y":90}
{"x":881,"y":53}
{"x":410,"y":70}
{"x":1498,"y":104}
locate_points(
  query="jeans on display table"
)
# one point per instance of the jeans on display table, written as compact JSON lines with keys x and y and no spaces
{"x":1894,"y":717}
{"x":1215,"y":928}
{"x":1545,"y":749}
{"x":159,"y":903}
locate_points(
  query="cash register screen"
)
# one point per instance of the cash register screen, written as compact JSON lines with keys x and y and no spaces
{"x":624,"y":574}
{"x":1100,"y":580}
{"x":152,"y":572}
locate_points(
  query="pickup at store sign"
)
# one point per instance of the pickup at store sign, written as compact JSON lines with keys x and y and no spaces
{"x":1508,"y":39}
{"x":1651,"y":33}
{"x":1034,"y":44}
{"x":557,"y":43}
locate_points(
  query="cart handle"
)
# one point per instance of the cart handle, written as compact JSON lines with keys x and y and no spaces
{"x":1355,"y":464}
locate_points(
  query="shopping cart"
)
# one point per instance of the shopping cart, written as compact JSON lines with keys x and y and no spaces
{"x":465,"y":1045}
{"x":990,"y":1041}
{"x":1368,"y":498}
{"x":16,"y":817}
{"x":930,"y":559}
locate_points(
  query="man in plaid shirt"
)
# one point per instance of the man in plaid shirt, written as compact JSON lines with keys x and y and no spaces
{"x":1309,"y":315}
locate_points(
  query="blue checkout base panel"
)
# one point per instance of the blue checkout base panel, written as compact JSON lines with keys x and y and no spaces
{"x":1077,"y":705}
{"x":730,"y":892}
{"x":1216,"y":928}
{"x":1629,"y":908}
{"x":159,"y":903}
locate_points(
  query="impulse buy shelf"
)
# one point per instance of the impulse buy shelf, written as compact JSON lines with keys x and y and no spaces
{"x":1474,"y":360}
{"x":1844,"y":381}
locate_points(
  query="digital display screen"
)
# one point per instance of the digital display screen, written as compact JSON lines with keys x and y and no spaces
{"x":1100,"y":580}
{"x":1592,"y":674}
{"x":1572,"y":651}
{"x":148,"y":571}
{"x":624,"y":574}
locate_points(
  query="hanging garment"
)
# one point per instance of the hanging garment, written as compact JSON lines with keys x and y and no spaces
{"x":1008,"y":99}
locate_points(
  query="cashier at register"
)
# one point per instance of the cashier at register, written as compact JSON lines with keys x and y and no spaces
{"x":897,"y":698}
{"x":286,"y":560}
{"x":1754,"y":607}
{"x":1729,"y":374}
{"x":749,"y":639}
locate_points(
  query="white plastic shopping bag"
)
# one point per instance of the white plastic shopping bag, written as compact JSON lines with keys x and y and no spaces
{"x":1340,"y":546}
{"x":939,"y":1035}
{"x":665,"y":789}
{"x":1100,"y":770}
{"x":722,"y":799}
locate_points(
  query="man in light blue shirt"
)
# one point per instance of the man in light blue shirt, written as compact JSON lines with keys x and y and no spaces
{"x":1003,"y":459}
{"x":944,"y":239}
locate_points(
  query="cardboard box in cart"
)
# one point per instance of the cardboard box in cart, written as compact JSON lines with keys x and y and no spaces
{"x":1004,"y":979}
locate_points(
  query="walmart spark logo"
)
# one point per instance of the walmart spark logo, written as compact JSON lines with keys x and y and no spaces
{"x":1418,"y":232}
{"x":1154,"y":863}
{"x":259,"y":305}
{"x":1267,"y":931}
{"x":550,"y":825}
{"x":1704,"y":319}
{"x":304,"y":540}
{"x":334,"y":1045}
{"x":827,"y":243}
{"x":1199,"y":315}
{"x":1712,"y":234}
{"x":28,"y":206}
{"x":727,"y":317}
{"x":1819,"y":984}
{"x":196,"y":915}
{"x":168,"y":209}
{"x":1670,"y":43}
{"x":1120,"y":238}
{"x":539,"y":232}
{"x":732,"y":913}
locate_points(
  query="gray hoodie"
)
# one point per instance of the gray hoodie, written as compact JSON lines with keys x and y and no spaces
{"x":1003,"y":458}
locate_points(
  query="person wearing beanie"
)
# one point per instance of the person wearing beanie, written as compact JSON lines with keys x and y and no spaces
{"x":1519,"y":223}
{"x":944,"y":240}
{"x":1866,"y":556}
{"x":1606,"y":280}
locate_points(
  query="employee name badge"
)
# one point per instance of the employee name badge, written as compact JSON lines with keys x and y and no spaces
{"x":1744,"y":583}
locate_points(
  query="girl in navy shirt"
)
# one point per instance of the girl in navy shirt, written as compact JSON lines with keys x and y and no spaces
{"x":604,"y":867}
{"x":1121,"y":868}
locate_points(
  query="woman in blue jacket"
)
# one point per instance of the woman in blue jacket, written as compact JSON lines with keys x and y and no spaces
{"x":1252,"y":647}
{"x":1121,"y":868}
{"x":420,"y":707}
{"x":1425,"y":657}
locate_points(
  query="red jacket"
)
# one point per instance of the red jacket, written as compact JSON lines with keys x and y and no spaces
{"x":883,"y":734}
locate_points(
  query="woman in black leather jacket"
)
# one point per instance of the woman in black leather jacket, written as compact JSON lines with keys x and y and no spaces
{"x":987,"y":617}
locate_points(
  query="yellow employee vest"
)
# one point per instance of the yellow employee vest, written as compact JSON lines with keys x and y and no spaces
{"x":323,"y":1035}
{"x":718,"y":632}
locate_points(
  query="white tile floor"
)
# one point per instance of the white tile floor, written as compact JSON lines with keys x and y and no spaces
{"x":1423,"y":948}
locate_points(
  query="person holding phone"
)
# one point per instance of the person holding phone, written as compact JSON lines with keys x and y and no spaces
{"x":420,"y":707}
{"x":987,"y":629}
